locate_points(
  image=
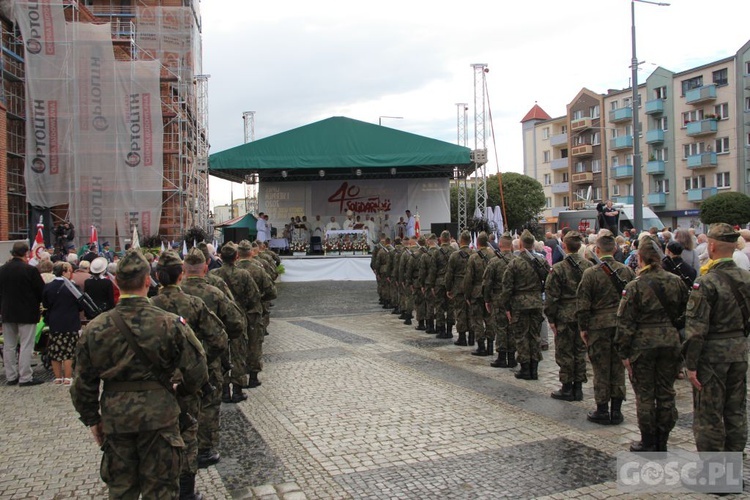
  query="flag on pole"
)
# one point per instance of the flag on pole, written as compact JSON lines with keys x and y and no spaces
{"x":135,"y":242}
{"x":162,"y":247}
{"x":38,"y":248}
{"x":416,"y":225}
{"x":94,"y":239}
{"x":184,"y":248}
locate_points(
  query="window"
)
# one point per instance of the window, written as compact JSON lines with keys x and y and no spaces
{"x":627,"y":189}
{"x":662,"y":123}
{"x":660,"y":154}
{"x":545,"y":133}
{"x":546,"y":156}
{"x":596,"y":166}
{"x":581,"y":193}
{"x":661,"y":186}
{"x":548,"y":203}
{"x":691,"y":83}
{"x":580,"y":167}
{"x":694,"y":148}
{"x":747,"y":68}
{"x":578,"y":114}
{"x":695,"y":115}
{"x":626,"y":102}
{"x":564,"y":129}
{"x":721,"y":111}
{"x":697,"y":182}
{"x":721,"y":145}
{"x":595,"y":140}
{"x":628,"y":129}
{"x":629,"y":159}
{"x":597,"y":193}
{"x":721,"y":77}
{"x":747,"y":103}
{"x":565,"y":177}
{"x":722,"y":180}
{"x":615,"y":161}
{"x":547,"y":179}
{"x":660,"y":93}
{"x":613,"y":105}
{"x":615,"y":190}
{"x":594,"y":111}
{"x":566,"y":201}
{"x":579,"y":141}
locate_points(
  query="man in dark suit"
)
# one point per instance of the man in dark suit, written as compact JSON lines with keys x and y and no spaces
{"x":21,"y":288}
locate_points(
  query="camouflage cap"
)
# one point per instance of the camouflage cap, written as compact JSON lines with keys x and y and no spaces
{"x":723,"y":232}
{"x":245,"y":246}
{"x":229,"y":250}
{"x":432,"y":237}
{"x":506,"y":237}
{"x":169,"y":258}
{"x":132,"y":265}
{"x":195,"y":257}
{"x":527,"y":238}
{"x":573,"y":236}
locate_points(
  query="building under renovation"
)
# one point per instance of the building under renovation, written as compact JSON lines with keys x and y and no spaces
{"x":103,"y":120}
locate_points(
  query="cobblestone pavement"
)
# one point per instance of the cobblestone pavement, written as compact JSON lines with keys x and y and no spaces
{"x":356,"y":405}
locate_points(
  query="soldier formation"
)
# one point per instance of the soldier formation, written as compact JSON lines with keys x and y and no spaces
{"x":499,"y":299}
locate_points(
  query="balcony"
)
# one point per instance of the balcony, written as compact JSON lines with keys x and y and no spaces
{"x":702,"y":127}
{"x":558,"y":140}
{"x":700,"y":194}
{"x":701,"y":94}
{"x":655,"y":167}
{"x":624,"y":142}
{"x":655,"y":107}
{"x":654,"y":136}
{"x":580,"y":124}
{"x":625,"y":200}
{"x":703,"y":160}
{"x":657,"y":199}
{"x":559,"y":164}
{"x":622,"y":172}
{"x":582,"y":178}
{"x":621,"y":115}
{"x":560,"y":187}
{"x":582,"y":150}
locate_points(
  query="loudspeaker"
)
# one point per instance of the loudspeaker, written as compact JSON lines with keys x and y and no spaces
{"x":439,"y":227}
{"x":316,"y":246}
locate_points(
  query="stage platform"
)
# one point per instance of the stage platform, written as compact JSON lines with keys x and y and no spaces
{"x":326,"y":268}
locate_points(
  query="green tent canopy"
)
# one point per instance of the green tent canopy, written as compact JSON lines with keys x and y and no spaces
{"x":240,"y":228}
{"x":339,"y":146}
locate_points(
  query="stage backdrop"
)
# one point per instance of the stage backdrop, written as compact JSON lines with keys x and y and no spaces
{"x":282,"y":200}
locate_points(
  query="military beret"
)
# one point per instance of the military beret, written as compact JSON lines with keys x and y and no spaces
{"x":527,"y":238}
{"x":132,"y":265}
{"x":195,"y":257}
{"x":228,"y":250}
{"x":245,"y":245}
{"x":573,"y":236}
{"x":723,"y":232}
{"x":169,"y":258}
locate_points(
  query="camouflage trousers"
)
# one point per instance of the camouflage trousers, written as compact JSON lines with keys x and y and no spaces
{"x":419,"y":304}
{"x":461,"y":313}
{"x":210,"y":419}
{"x":479,"y":320}
{"x":609,"y":373}
{"x":381,"y":292}
{"x":254,"y":343}
{"x":720,"y":411}
{"x":443,"y":308}
{"x":238,"y":356}
{"x":654,"y":373}
{"x":407,"y":300}
{"x":526,"y":326}
{"x":504,"y":340}
{"x":394,"y":293}
{"x":430,"y":302}
{"x":190,"y":405}
{"x":570,"y":353}
{"x":143,"y":463}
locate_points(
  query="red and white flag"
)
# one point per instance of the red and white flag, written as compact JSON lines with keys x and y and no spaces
{"x":38,"y":248}
{"x":416,"y":225}
{"x":94,"y":236}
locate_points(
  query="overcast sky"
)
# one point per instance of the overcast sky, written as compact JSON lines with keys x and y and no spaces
{"x":295,"y":62}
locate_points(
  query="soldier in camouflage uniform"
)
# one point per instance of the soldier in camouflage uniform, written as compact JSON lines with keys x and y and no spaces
{"x":233,"y":319}
{"x":247,"y":296}
{"x":381,"y":264}
{"x":374,"y":267}
{"x":213,"y":279}
{"x":405,"y":282}
{"x":492,"y":288}
{"x":480,"y":317}
{"x":208,"y":329}
{"x":135,"y":419}
{"x":269,"y":260}
{"x":454,"y":285}
{"x":560,"y":308}
{"x":392,"y":270}
{"x":716,"y":347}
{"x":598,"y":298}
{"x":427,"y":277}
{"x":417,"y":283}
{"x":523,"y":285}
{"x":444,"y":319}
{"x":649,"y":344}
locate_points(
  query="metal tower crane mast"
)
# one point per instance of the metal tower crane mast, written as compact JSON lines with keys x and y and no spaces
{"x":462,"y":139}
{"x":479,"y":155}
{"x":248,"y":117}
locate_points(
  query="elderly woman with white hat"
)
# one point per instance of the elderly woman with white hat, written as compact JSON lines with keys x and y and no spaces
{"x":98,"y":287}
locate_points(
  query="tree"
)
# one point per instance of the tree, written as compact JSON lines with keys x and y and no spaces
{"x":732,"y":208}
{"x":524,"y":200}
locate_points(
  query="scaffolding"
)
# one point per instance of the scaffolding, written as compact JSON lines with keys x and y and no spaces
{"x":479,"y":155}
{"x":459,"y":175}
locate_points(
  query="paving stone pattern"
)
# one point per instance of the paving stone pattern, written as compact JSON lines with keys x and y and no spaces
{"x":354,"y":404}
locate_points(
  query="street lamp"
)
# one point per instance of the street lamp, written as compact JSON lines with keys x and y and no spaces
{"x":637,"y":185}
{"x":380,"y":118}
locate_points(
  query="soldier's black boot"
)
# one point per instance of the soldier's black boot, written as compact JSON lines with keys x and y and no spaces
{"x":565,"y":392}
{"x":525,"y":372}
{"x":237,"y":395}
{"x":481,"y":349}
{"x":501,"y":361}
{"x":577,"y":391}
{"x":471,"y":337}
{"x":396,"y":310}
{"x":534,"y":369}
{"x":443,"y":333}
{"x":208,"y":457}
{"x":226,"y":395}
{"x":254,"y":382}
{"x":615,"y":415}
{"x":461,"y":339}
{"x":490,"y":347}
{"x":387,"y":305}
{"x":420,"y":326}
{"x":449,"y":330}
{"x":512,"y":363}
{"x":661,"y":440}
{"x":600,"y":415}
{"x":187,"y":488}
{"x":647,"y":443}
{"x":407,"y":319}
{"x":403,"y":315}
{"x":430,"y":326}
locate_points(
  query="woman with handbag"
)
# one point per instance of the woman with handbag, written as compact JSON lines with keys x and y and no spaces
{"x":62,"y":315}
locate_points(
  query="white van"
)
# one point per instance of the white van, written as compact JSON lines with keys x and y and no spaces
{"x":587,"y":218}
